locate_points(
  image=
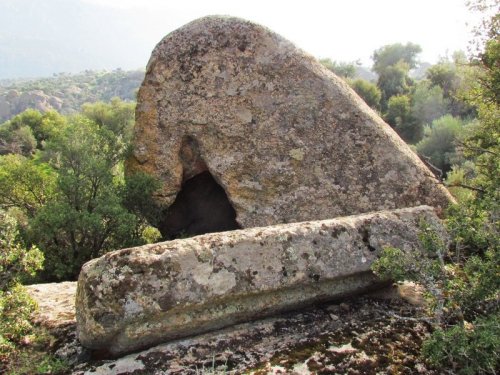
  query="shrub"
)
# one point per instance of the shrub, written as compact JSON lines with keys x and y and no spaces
{"x":462,"y":288}
{"x":467,"y":349}
{"x":16,"y":307}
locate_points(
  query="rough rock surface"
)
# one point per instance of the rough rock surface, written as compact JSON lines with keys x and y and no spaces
{"x":286,"y":139}
{"x":274,"y":345}
{"x":56,"y":303}
{"x":134,"y":298}
{"x":368,"y":336}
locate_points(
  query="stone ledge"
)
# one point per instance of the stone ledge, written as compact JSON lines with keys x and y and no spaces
{"x":135,"y":298}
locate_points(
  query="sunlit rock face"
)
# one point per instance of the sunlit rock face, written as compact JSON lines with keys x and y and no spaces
{"x":134,"y":298}
{"x":284,"y":138}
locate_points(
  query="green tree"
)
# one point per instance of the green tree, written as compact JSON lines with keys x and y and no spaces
{"x":17,"y":141}
{"x":394,"y":81}
{"x":116,"y":116}
{"x":444,"y":75}
{"x":483,"y":143}
{"x":342,"y":69}
{"x":399,"y":116}
{"x":370,"y":93}
{"x":86,"y":216}
{"x":25,"y":184}
{"x":428,"y":103}
{"x":52,"y":124}
{"x":29,"y":130}
{"x":439,"y":141}
{"x":452,"y":77}
{"x":393,"y":54}
{"x":16,"y":264}
{"x":468,"y":341}
{"x":392,"y":63}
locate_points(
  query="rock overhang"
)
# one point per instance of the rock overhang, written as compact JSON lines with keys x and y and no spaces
{"x":285,"y":138}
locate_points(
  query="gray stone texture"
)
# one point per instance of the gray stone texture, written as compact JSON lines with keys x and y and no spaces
{"x":135,"y":298}
{"x":286,"y":139}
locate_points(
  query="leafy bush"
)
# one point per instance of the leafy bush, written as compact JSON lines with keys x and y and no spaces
{"x":425,"y":267}
{"x":370,"y":93}
{"x":16,"y":262}
{"x":463,"y":298}
{"x":16,"y":307}
{"x":439,"y":141}
{"x":467,"y":349}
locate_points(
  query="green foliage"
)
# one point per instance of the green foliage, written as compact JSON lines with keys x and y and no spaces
{"x":71,"y":195}
{"x":425,"y":267}
{"x":116,"y":116}
{"x":393,"y":54}
{"x":31,"y":357}
{"x":463,"y":291}
{"x":86,"y":217}
{"x":467,"y":349}
{"x":342,"y":69}
{"x":29,"y":130}
{"x":428,"y":103}
{"x":399,"y":116}
{"x":483,"y":143}
{"x":370,"y":93}
{"x":477,"y":289}
{"x":16,"y":307}
{"x":73,"y":90}
{"x":392,"y":63}
{"x":16,"y":262}
{"x":138,"y":197}
{"x":25,"y":183}
{"x":453,"y":78}
{"x":16,"y":140}
{"x":439,"y":141}
{"x":394,"y":80}
{"x":398,"y":111}
{"x":31,"y":118}
{"x":445,"y":76}
{"x":19,"y":141}
{"x":472,"y":227}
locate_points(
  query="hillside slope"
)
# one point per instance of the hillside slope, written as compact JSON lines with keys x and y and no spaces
{"x":67,"y":92}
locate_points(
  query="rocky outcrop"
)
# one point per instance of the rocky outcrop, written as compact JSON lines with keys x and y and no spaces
{"x":135,"y":298}
{"x":14,"y":102}
{"x":284,"y":137}
{"x":368,"y":335}
{"x":56,"y":303}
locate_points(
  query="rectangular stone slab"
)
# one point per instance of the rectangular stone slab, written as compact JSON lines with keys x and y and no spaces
{"x":134,"y":298}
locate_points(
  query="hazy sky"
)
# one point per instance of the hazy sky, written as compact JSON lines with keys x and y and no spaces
{"x":42,"y":37}
{"x":339,"y":29}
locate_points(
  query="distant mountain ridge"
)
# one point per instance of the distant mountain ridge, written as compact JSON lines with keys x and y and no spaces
{"x":66,"y":93}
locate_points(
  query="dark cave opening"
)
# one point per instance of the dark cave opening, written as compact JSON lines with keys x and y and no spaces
{"x":201,"y":206}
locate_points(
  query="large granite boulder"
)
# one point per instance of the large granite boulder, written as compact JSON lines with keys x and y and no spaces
{"x":134,"y":298}
{"x":284,"y":138}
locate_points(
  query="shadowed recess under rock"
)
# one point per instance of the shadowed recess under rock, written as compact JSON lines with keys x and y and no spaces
{"x":200,"y":207}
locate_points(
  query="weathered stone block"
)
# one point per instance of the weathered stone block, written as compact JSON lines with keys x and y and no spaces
{"x":285,"y":138}
{"x":134,"y":298}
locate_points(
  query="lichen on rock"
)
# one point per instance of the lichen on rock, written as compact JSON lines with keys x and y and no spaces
{"x":135,"y":298}
{"x":285,"y":139}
